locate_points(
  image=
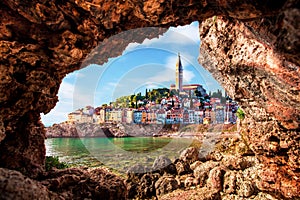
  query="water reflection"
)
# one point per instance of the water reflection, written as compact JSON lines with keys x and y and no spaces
{"x":116,"y":153}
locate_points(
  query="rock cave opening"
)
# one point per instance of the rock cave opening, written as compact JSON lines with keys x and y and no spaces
{"x":142,"y":68}
{"x":259,"y":68}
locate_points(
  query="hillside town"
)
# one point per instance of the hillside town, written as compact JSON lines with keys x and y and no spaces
{"x":214,"y":113}
{"x":179,"y":104}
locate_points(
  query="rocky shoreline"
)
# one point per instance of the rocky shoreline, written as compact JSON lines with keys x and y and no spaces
{"x":229,"y":171}
{"x":85,"y":130}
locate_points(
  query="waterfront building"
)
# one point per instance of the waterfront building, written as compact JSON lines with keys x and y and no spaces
{"x":185,"y":116}
{"x":86,"y":118}
{"x":197,"y":116}
{"x":191,"y":116}
{"x":79,"y":117}
{"x":74,"y":117}
{"x":137,"y":116}
{"x":169,"y":119}
{"x":161,"y":116}
{"x":127,"y":116}
{"x":151,"y":116}
{"x":88,"y":110}
{"x":174,"y":116}
{"x":212,"y":115}
{"x":108,"y":114}
{"x":101,"y":116}
{"x":220,"y":114}
{"x":144,"y":117}
{"x":115,"y":115}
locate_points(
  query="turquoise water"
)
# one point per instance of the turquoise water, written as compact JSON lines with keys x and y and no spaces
{"x":115,"y":153}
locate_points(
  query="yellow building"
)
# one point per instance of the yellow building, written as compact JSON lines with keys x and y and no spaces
{"x":79,"y":117}
{"x":101,"y":116}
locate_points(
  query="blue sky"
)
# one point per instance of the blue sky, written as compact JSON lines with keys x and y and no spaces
{"x":147,"y":65}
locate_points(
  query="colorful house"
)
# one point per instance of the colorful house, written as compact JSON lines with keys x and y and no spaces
{"x":161,"y":116}
{"x":137,"y":116}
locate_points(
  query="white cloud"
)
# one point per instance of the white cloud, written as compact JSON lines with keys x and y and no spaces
{"x":82,"y":100}
{"x":63,"y":107}
{"x":163,"y":76}
{"x":132,"y":46}
{"x":188,"y":76}
{"x":181,"y":35}
{"x":175,"y":36}
{"x":53,"y":117}
{"x":66,"y":90}
{"x":58,"y":113}
{"x":189,"y":32}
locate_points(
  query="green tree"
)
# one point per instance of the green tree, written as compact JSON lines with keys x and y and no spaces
{"x":157,"y":101}
{"x":166,"y":94}
{"x":134,"y":100}
{"x":240,"y":114}
{"x":53,"y":161}
{"x":132,"y":105}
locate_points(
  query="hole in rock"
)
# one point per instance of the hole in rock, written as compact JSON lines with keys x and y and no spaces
{"x":274,"y":139}
{"x":156,"y":87}
{"x":20,"y":77}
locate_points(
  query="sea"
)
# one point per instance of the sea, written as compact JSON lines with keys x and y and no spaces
{"x":117,"y":154}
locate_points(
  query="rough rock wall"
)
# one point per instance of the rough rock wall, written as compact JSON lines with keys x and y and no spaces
{"x":69,"y":183}
{"x":259,"y":67}
{"x":41,"y":41}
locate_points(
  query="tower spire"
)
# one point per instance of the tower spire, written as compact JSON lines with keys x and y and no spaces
{"x":179,"y":74}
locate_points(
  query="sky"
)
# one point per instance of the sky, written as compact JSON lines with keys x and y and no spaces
{"x":147,"y":65}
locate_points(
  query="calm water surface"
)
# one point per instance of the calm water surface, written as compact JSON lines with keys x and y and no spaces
{"x":115,"y":153}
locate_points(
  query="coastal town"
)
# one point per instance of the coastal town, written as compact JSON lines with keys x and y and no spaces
{"x":179,"y":104}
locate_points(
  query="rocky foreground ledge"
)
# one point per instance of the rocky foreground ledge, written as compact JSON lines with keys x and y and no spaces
{"x":73,"y":183}
{"x":62,"y":184}
{"x":231,"y":171}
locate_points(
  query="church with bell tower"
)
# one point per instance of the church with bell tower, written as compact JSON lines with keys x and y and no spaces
{"x":187,"y":89}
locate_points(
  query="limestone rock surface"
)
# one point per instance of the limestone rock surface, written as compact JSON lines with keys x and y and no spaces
{"x":264,"y":78}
